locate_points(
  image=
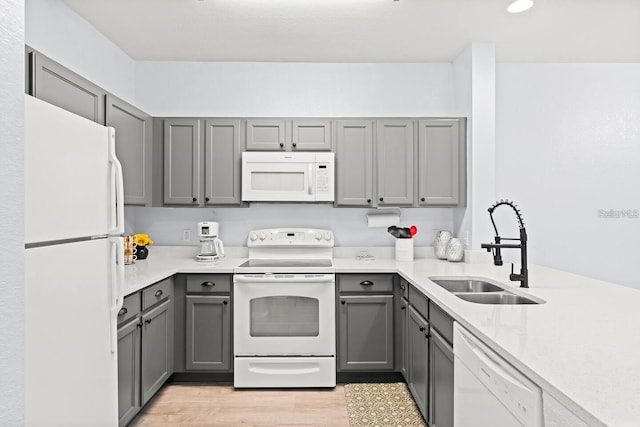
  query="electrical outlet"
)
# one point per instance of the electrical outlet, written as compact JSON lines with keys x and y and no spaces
{"x":186,"y":235}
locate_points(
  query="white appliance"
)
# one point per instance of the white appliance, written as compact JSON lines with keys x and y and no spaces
{"x":284,"y":310}
{"x":211,"y":247}
{"x":287,"y":177}
{"x":488,"y":391}
{"x":74,"y":268}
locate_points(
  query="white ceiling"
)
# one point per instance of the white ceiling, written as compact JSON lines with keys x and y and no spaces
{"x":366,"y":30}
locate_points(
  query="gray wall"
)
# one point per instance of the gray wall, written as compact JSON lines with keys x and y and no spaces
{"x":567,"y":147}
{"x":166,"y":225}
{"x":59,"y":32}
{"x":12,"y":212}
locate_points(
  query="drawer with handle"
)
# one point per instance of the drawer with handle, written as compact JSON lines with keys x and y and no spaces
{"x":209,"y":283}
{"x":130,"y":308}
{"x":365,"y":283}
{"x":156,"y":293}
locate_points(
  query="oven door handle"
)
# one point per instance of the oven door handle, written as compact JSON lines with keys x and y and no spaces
{"x":318,"y":278}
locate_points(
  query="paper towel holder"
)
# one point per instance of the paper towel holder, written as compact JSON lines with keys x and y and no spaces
{"x":384,"y":217}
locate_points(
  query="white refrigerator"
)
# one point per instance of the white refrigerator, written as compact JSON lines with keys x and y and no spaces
{"x":74,"y":268}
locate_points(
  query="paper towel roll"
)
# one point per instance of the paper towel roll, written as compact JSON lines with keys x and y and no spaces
{"x":382,"y":219}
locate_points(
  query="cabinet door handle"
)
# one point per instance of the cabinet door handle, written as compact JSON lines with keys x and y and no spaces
{"x":122,"y":311}
{"x":195,"y":199}
{"x":426,"y":336}
{"x":158,"y":293}
{"x":206,"y":199}
{"x":366,"y":283}
{"x":225,"y":302}
{"x":402,"y":287}
{"x":209,"y":284}
{"x":294,"y":145}
{"x":421,"y":328}
{"x":403,"y":308}
{"x":281,"y":144}
{"x":422,"y":199}
{"x":139,"y":325}
{"x":368,"y":200}
{"x":343,"y":302}
{"x":381,"y":199}
{"x":147,"y":321}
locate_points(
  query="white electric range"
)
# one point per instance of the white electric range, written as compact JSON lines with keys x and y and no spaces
{"x":284,"y":310}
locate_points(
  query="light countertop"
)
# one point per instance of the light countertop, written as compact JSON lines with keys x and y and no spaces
{"x":582,"y":346}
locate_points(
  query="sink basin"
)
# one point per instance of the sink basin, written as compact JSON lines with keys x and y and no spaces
{"x":467,"y":285}
{"x":498,"y":298}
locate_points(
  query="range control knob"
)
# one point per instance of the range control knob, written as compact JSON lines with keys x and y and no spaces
{"x":318,"y":236}
{"x":327,"y":236}
{"x":263,"y":236}
{"x":253,"y":237}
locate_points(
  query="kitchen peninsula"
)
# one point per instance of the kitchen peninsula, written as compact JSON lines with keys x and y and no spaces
{"x":580,"y":362}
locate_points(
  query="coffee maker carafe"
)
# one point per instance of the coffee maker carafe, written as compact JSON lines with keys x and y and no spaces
{"x":211,"y":248}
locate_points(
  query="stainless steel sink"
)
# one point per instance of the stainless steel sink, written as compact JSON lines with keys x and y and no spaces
{"x":467,"y":285}
{"x":496,"y":298}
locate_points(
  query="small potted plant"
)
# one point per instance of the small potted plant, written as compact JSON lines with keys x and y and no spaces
{"x":142,"y":241}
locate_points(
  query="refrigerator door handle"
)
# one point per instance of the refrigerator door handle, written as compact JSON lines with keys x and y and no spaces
{"x":117,"y":283}
{"x":116,"y":226}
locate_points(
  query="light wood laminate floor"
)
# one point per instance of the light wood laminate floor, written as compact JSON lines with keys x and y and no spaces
{"x":222,"y":405}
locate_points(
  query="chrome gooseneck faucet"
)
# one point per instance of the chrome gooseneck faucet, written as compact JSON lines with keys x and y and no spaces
{"x":523,"y":277}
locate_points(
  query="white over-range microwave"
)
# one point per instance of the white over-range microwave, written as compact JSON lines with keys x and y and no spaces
{"x":288,"y":177}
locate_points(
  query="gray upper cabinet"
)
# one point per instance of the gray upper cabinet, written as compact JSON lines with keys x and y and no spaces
{"x":223,"y":159}
{"x":394,"y":162}
{"x":354,"y":162}
{"x":311,"y":135}
{"x":133,"y":148}
{"x":266,"y":134}
{"x":208,"y":333}
{"x":440,"y":156}
{"x":62,"y":87}
{"x":182,"y":144}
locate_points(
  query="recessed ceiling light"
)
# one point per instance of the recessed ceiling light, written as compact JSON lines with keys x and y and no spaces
{"x":518,"y":6}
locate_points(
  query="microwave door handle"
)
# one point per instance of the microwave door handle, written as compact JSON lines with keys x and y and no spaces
{"x":310,"y":178}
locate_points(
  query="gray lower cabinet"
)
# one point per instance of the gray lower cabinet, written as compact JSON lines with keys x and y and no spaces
{"x":133,"y":148}
{"x":129,"y":370}
{"x":145,"y":347}
{"x":222,"y":161}
{"x":62,"y":87}
{"x":394,"y":162}
{"x":365,"y":328}
{"x":403,"y":340}
{"x":208,"y":334}
{"x":418,"y":360}
{"x":157,"y":349}
{"x":441,"y":391}
{"x":182,"y":146}
{"x":354,"y":162}
{"x":441,"y":367}
{"x":441,"y":161}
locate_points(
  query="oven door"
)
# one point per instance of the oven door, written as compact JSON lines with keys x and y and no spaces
{"x":284,"y":314}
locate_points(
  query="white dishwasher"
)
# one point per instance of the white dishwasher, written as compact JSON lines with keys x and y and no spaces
{"x":488,"y":391}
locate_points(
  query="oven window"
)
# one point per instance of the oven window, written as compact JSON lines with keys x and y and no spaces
{"x":284,"y":316}
{"x":277,"y":181}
